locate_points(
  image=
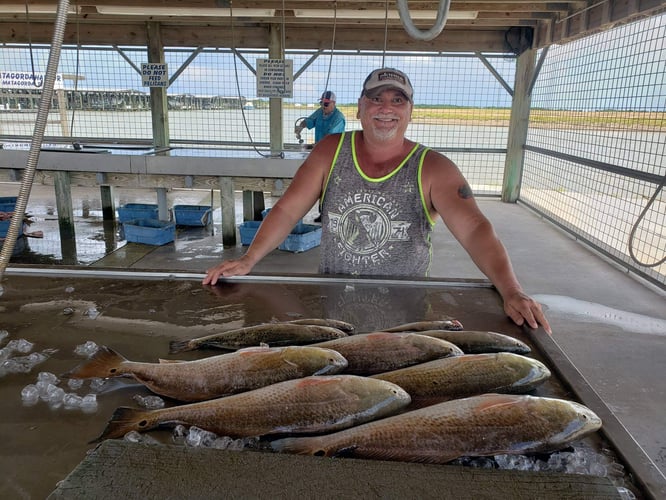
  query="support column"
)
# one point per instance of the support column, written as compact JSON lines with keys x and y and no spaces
{"x":108,"y":205}
{"x":63,"y":193}
{"x":162,"y":204}
{"x":518,"y":125}
{"x":228,"y":206}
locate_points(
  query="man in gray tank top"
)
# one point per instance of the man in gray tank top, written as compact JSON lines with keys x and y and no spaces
{"x":381,"y":195}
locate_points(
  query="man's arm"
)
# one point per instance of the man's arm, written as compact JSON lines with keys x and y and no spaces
{"x":451,"y":197}
{"x":304,"y":190}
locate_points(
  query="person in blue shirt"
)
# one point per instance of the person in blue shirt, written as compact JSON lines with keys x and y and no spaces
{"x":326,"y":120}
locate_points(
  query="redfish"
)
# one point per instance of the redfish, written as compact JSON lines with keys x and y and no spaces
{"x":215,"y":376}
{"x":273,"y":334}
{"x":378,"y":352}
{"x":480,"y":342}
{"x":419,"y":326}
{"x":484,"y":425}
{"x":468,"y":375}
{"x":307,"y":405}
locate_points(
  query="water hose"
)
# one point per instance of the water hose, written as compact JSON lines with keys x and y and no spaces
{"x":37,"y":137}
{"x":413,"y":31}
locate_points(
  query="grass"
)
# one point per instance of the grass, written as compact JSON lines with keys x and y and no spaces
{"x":627,"y":120}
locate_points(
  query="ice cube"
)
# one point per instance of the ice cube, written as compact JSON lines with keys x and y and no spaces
{"x":149,"y":402}
{"x":47,"y":377}
{"x":71,"y":400}
{"x":30,"y":394}
{"x":97,"y":384}
{"x":88,"y":349}
{"x":200,"y":437}
{"x":75,"y":383}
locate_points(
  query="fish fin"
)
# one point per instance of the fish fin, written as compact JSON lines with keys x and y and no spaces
{"x":167,"y":361}
{"x":176,"y":346}
{"x":298,"y":446}
{"x":103,"y":364}
{"x":124,"y":420}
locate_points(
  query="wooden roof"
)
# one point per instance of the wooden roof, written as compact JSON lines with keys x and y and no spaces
{"x":475,"y":26}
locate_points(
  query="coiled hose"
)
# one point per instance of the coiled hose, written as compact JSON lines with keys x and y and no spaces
{"x":37,"y":137}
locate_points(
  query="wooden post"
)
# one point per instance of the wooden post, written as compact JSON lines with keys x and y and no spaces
{"x":228,"y":206}
{"x":63,"y":192}
{"x":518,"y":125}
{"x":108,"y":205}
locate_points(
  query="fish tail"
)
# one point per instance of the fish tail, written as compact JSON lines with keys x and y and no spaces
{"x":176,"y":346}
{"x":104,"y":364}
{"x":300,"y":446}
{"x":124,"y":420}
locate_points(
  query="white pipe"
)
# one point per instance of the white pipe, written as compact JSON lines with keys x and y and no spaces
{"x":413,"y":31}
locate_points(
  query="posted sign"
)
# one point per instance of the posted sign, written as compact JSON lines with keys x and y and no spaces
{"x":26,"y":80}
{"x":154,"y":75}
{"x":275,"y":77}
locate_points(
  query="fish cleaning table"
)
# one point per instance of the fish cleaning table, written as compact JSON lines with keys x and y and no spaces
{"x":137,"y":314}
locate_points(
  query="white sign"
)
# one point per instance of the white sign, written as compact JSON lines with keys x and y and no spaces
{"x":154,"y":75}
{"x":275,"y":77}
{"x":25,"y":80}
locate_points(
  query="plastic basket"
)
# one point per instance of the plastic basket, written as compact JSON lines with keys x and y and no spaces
{"x":248,"y":230}
{"x":149,"y":231}
{"x":192,"y":215}
{"x":134,"y":211}
{"x":302,"y":238}
{"x":4,"y":228}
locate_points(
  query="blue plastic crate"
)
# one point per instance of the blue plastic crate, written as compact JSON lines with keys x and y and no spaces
{"x":299,"y":227}
{"x":247,"y":231}
{"x":133,"y":211}
{"x":7,"y":207}
{"x":4,"y":227}
{"x":192,"y":215}
{"x":8,"y":199}
{"x":149,"y":231}
{"x":302,"y":238}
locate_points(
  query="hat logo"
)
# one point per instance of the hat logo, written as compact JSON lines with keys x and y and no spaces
{"x":389,"y":75}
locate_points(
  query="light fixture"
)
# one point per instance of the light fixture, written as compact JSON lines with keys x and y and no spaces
{"x":182,"y":11}
{"x":427,"y":15}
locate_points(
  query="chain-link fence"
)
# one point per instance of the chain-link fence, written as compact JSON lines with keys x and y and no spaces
{"x":594,"y":160}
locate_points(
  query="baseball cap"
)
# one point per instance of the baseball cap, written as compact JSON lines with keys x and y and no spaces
{"x":391,"y":78}
{"x":327,"y":96}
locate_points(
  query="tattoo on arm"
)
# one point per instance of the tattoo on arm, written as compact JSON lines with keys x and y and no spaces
{"x":465,"y":192}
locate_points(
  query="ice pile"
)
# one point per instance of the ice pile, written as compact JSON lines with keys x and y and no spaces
{"x":11,"y":359}
{"x":47,"y":389}
{"x":579,"y":458}
{"x":196,"y":437}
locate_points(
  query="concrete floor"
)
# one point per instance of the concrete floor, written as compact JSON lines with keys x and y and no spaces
{"x":610,"y":325}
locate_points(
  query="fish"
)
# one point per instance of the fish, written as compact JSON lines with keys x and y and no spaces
{"x":378,"y":352}
{"x":419,"y":326}
{"x":333,"y":323}
{"x":468,"y":375}
{"x":273,"y":334}
{"x":483,"y":425}
{"x":479,"y":342}
{"x":300,"y":406}
{"x":215,"y":376}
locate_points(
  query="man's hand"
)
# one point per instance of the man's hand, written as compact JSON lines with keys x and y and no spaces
{"x":521,"y":308}
{"x":235,"y":267}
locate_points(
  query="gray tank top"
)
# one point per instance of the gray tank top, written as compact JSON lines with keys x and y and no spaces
{"x":374,"y":227}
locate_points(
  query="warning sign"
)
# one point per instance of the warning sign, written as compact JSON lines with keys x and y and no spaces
{"x":154,"y":75}
{"x":275,"y":77}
